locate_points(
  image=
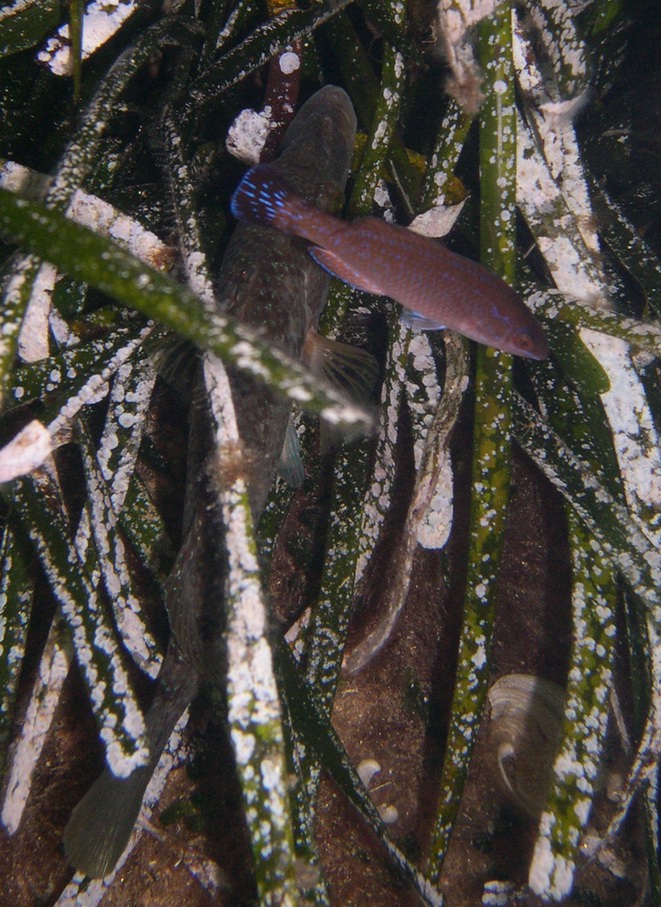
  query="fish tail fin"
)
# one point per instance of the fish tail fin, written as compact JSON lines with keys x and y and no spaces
{"x":101,"y":824}
{"x":265,"y":199}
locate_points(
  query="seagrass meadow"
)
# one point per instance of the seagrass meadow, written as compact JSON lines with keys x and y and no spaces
{"x":437,"y":674}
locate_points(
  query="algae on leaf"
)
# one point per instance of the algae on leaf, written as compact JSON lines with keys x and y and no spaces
{"x":467,"y":516}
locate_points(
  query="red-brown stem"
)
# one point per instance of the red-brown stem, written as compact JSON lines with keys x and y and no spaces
{"x":281,"y":96}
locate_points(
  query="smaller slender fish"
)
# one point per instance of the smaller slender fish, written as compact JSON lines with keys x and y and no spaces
{"x":438,"y":287}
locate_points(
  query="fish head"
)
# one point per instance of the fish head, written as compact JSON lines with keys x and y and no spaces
{"x":267,"y":280}
{"x":527,"y":339}
{"x":318,"y":146}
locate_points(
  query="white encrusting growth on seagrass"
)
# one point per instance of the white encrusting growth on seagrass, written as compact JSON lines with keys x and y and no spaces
{"x":644,"y":771}
{"x":437,"y":221}
{"x":433,"y":420}
{"x":45,"y":696}
{"x":33,"y":336}
{"x":34,"y":447}
{"x":252,"y":695}
{"x":26,"y":450}
{"x":429,"y":516}
{"x":247,"y":135}
{"x":568,"y":234}
{"x":377,"y":499}
{"x":102,"y":19}
{"x":96,"y":386}
{"x":89,"y":211}
{"x":635,"y":436}
{"x":51,"y":674}
{"x":182,"y":192}
{"x":130,"y":396}
{"x":121,"y":722}
{"x":114,"y":569}
{"x":456,"y":18}
{"x":554,"y":197}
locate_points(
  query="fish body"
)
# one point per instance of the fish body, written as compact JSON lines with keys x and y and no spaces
{"x":268,"y":281}
{"x":434,"y":284}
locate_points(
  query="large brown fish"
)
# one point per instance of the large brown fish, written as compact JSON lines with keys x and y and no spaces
{"x":438,"y":287}
{"x":269,"y":281}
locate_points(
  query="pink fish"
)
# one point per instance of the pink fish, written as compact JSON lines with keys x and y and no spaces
{"x":438,"y":288}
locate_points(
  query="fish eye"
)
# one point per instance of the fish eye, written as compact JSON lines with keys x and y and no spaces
{"x":524,"y":340}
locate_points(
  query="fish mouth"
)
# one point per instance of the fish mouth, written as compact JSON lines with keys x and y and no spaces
{"x":531,"y":343}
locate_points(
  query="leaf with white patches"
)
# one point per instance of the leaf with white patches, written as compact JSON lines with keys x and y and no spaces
{"x":26,"y":752}
{"x":91,"y":211}
{"x":76,"y":163}
{"x":632,"y":250}
{"x":27,"y":450}
{"x":104,"y":265}
{"x":554,"y":22}
{"x":16,"y":590}
{"x":491,"y":456}
{"x":119,"y":717}
{"x":100,"y":515}
{"x":67,"y":377}
{"x":433,"y":415}
{"x":379,"y":493}
{"x":578,"y":763}
{"x":635,"y":436}
{"x":101,"y":21}
{"x":429,"y":515}
{"x":24,"y":23}
{"x":253,"y":702}
{"x":562,"y":308}
{"x":311,"y":725}
{"x":622,"y":541}
{"x":128,"y":404}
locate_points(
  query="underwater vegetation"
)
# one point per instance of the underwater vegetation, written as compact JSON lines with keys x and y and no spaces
{"x":427,"y":668}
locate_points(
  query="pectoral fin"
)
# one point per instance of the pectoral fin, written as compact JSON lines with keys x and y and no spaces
{"x":290,"y":467}
{"x":347,"y":367}
{"x":418,"y":322}
{"x":336,"y":266}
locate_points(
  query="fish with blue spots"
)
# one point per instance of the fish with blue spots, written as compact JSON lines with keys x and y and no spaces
{"x":436,"y":287}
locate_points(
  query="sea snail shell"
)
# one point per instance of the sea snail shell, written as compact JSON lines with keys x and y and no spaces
{"x":524,"y":733}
